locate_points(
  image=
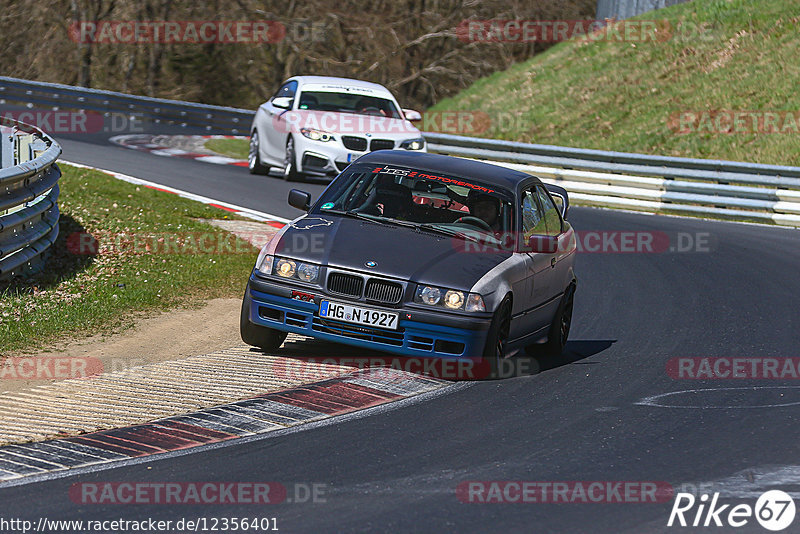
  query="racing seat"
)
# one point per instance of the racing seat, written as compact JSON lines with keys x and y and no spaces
{"x":395,"y":198}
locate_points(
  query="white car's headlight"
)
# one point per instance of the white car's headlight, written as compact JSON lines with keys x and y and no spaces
{"x":449,"y":298}
{"x":316,"y":135}
{"x":413,"y":144}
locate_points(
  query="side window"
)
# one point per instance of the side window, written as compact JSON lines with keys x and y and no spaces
{"x":533,"y":221}
{"x":288,"y":89}
{"x":551,"y":215}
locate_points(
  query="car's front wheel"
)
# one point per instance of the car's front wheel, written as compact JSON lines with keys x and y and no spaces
{"x":290,"y":173}
{"x":497,"y":340}
{"x":254,"y":164}
{"x":562,"y":322}
{"x":259,"y":336}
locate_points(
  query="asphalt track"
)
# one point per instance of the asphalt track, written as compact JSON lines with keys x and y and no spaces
{"x":397,"y":468}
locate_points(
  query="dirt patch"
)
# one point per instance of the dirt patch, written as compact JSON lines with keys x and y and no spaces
{"x":171,"y":335}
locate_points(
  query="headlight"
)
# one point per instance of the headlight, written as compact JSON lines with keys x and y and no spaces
{"x":449,"y":298}
{"x":316,"y":135}
{"x":264,"y":264}
{"x":429,"y":295}
{"x":285,"y":268}
{"x":307,"y":273}
{"x":413,"y":144}
{"x":475,"y":303}
{"x":454,"y":299}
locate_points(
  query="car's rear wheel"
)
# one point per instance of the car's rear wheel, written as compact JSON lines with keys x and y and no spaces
{"x":290,"y":173}
{"x":497,"y":340}
{"x":259,"y":336}
{"x":562,"y":322}
{"x":254,"y":164}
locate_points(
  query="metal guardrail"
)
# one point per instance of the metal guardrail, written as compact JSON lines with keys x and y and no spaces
{"x":211,"y":118}
{"x":28,"y":196}
{"x":688,"y":186}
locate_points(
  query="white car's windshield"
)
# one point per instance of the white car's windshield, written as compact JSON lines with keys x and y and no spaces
{"x":348,"y":103}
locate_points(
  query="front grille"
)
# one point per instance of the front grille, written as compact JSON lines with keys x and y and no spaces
{"x":381,"y":144}
{"x":345,"y":284}
{"x":354,"y":143}
{"x":385,"y":292}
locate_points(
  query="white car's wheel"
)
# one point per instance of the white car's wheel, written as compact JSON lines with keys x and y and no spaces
{"x":253,"y":158}
{"x":290,"y":173}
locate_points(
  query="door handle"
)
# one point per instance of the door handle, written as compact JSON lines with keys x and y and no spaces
{"x":553,"y":261}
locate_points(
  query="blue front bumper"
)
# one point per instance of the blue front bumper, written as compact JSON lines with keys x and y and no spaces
{"x":412,"y":337}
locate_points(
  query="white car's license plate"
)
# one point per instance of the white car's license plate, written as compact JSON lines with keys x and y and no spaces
{"x":358,"y":315}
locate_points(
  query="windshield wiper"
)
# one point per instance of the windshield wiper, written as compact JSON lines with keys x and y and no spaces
{"x":446,"y":231}
{"x":371,"y":218}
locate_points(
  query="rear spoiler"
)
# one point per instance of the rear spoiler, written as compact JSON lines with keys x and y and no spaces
{"x":560,"y":197}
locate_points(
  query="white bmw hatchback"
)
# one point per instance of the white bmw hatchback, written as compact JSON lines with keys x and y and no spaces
{"x":318,"y":125}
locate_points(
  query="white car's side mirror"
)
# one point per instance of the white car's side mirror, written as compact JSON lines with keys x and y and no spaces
{"x":412,"y":116}
{"x":283,"y":102}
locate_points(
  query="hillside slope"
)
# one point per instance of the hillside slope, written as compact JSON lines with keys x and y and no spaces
{"x":720,"y":56}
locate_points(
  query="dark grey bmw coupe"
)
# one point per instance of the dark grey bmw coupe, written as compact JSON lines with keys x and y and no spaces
{"x":420,"y":255}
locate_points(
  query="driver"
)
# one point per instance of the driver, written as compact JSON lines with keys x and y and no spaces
{"x":485,"y":207}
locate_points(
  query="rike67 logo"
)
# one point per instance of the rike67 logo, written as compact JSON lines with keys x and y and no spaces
{"x":774,"y":510}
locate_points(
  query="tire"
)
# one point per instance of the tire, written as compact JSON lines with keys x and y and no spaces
{"x":266,"y":339}
{"x":559,"y":329}
{"x":495,"y":349}
{"x":254,"y":164}
{"x":290,"y":173}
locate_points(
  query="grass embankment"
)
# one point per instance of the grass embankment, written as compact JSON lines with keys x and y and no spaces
{"x":722,"y":55}
{"x":233,"y":148}
{"x":154,"y":254}
{"x":718,"y":56}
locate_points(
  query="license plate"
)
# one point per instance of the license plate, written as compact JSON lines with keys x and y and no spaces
{"x":358,"y":315}
{"x":351,"y":157}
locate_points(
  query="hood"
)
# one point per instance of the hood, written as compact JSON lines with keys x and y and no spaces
{"x":350,"y":124}
{"x":398,"y":252}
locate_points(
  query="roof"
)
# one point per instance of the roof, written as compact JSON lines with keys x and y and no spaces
{"x":331,"y":80}
{"x":450,"y":165}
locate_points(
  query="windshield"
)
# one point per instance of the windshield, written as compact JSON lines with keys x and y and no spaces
{"x":405,"y":195}
{"x":348,"y":103}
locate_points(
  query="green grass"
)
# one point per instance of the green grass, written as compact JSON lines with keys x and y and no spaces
{"x":78,"y":294}
{"x":723,"y":55}
{"x":233,"y":148}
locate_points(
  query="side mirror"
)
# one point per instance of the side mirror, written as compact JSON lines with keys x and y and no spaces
{"x":545,"y":244}
{"x":299,"y":199}
{"x":412,"y":116}
{"x":560,"y":197}
{"x":283,"y":102}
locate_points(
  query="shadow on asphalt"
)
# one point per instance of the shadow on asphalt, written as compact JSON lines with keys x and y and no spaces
{"x":310,"y":355}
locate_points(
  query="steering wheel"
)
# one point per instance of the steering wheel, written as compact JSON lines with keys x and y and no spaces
{"x":372,"y":109}
{"x":474,"y":221}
